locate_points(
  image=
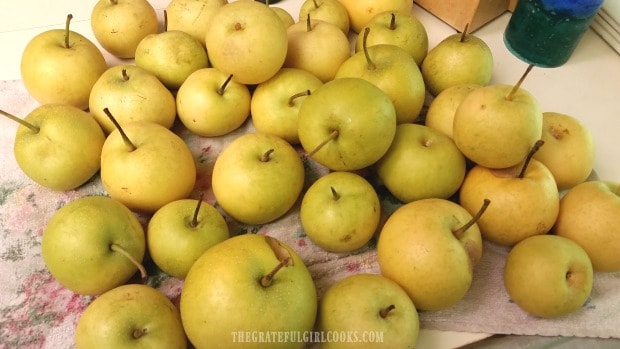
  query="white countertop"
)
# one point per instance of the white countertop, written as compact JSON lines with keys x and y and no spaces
{"x":587,"y":87}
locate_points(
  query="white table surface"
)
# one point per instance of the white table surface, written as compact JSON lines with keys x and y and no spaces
{"x":587,"y":87}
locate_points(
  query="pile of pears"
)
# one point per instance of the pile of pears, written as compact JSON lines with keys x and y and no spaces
{"x":448,"y":142}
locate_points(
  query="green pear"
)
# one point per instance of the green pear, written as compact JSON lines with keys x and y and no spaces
{"x":397,"y":28}
{"x":457,"y":59}
{"x":145,"y":166}
{"x":248,"y":40}
{"x":589,"y":216}
{"x":435,"y":243}
{"x":131,"y":93}
{"x":569,"y":149}
{"x":372,"y":307}
{"x":548,"y":276}
{"x":441,"y":110}
{"x":331,"y":11}
{"x":93,"y":244}
{"x":120,"y":25}
{"x":58,"y":146}
{"x":421,"y":163}
{"x":316,"y":46}
{"x":347,"y":124}
{"x":130,"y":316}
{"x":275,"y":103}
{"x":394,"y":71}
{"x":497,"y":125}
{"x":171,"y":56}
{"x":179,"y":233}
{"x":340,"y":211}
{"x":192,"y":16}
{"x":244,"y":287}
{"x":61,"y":66}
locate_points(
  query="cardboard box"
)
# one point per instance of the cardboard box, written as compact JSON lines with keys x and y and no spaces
{"x":459,"y":13}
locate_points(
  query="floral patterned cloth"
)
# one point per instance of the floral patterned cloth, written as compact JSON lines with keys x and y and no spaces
{"x":37,"y":312}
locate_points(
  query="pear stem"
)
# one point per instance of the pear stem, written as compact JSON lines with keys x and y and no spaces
{"x":126,"y":139}
{"x":316,"y":5}
{"x":67,"y":31}
{"x":371,"y":64}
{"x":464,"y":33}
{"x":291,"y":100}
{"x":460,"y":231}
{"x":516,"y":87}
{"x":331,"y":137}
{"x":539,"y":143}
{"x":335,"y":194}
{"x":266,"y":280}
{"x":125,"y":75}
{"x":393,"y":22}
{"x":308,"y":23}
{"x":220,"y":90}
{"x":266,"y":155}
{"x":165,"y":21}
{"x":141,"y":268}
{"x":23,"y":122}
{"x":194,"y":222}
{"x":385,"y":311}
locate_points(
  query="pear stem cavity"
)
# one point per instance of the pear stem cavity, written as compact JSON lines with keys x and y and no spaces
{"x":516,"y":87}
{"x":393,"y":22}
{"x":385,"y":311}
{"x":138,"y":333}
{"x":126,"y":139}
{"x":291,"y":100}
{"x":114,"y":2}
{"x":371,"y":64}
{"x":23,"y":122}
{"x":539,"y":143}
{"x":266,"y":280}
{"x":459,"y":232}
{"x":194,"y":222}
{"x":141,"y":268}
{"x":266,"y":155}
{"x":333,"y":135}
{"x":220,"y":90}
{"x":67,"y":31}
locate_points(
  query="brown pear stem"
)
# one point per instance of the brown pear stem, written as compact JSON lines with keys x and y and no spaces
{"x":266,"y":280}
{"x":460,"y":231}
{"x":385,"y":311}
{"x":308,"y":23}
{"x":141,"y":268}
{"x":331,"y":137}
{"x":393,"y":21}
{"x":194,"y":221}
{"x":539,"y":143}
{"x":23,"y":122}
{"x":371,"y":64}
{"x":165,"y":21}
{"x":220,"y":90}
{"x":67,"y":31}
{"x":266,"y":155}
{"x":125,"y":75}
{"x":335,"y":194}
{"x":126,"y":139}
{"x":464,"y":33}
{"x":516,"y":87}
{"x":291,"y":100}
